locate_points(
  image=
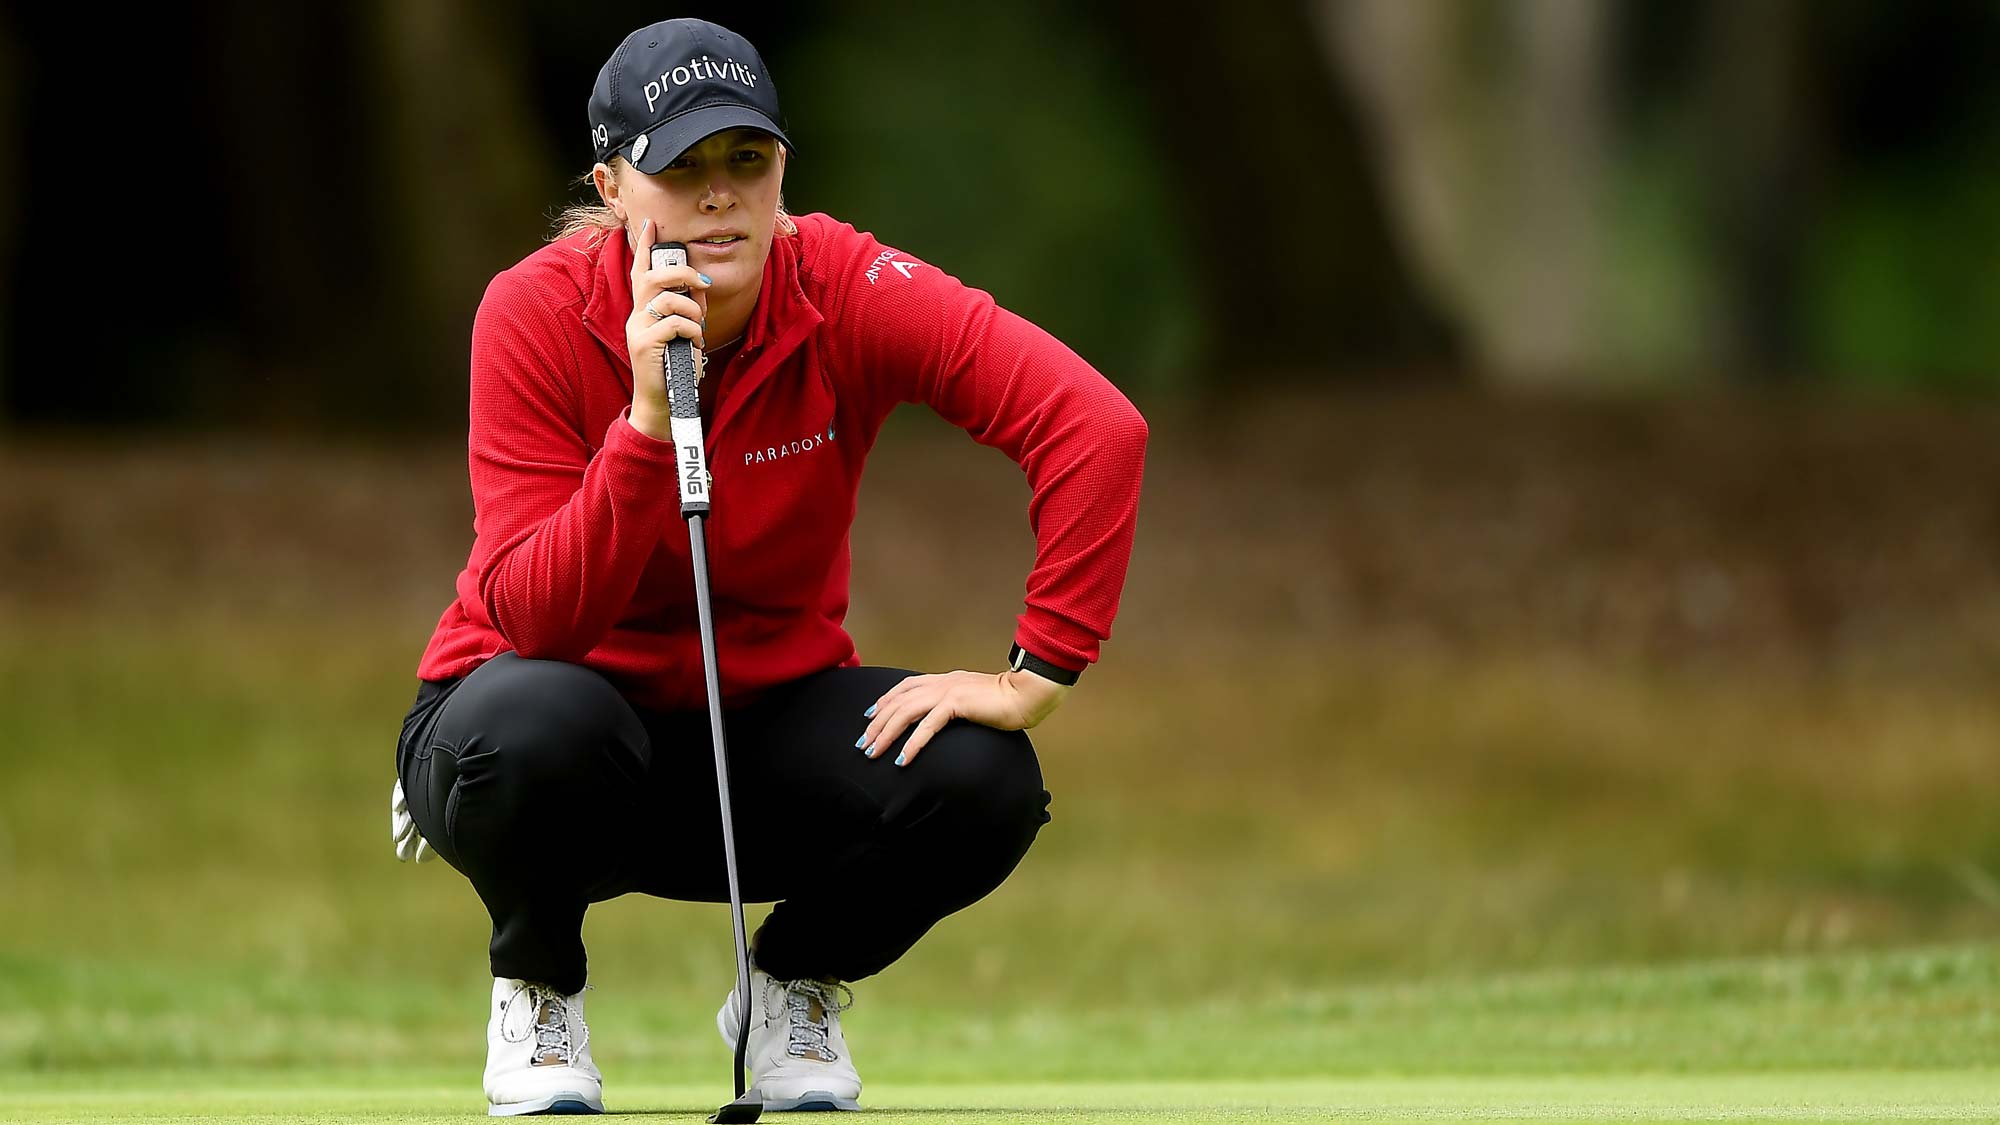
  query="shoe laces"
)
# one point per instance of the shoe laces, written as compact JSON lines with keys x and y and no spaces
{"x":555,"y":1020}
{"x":806,"y":1036}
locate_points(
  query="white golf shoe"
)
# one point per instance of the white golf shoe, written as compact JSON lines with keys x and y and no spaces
{"x":538,"y":1053}
{"x":797,"y":1057}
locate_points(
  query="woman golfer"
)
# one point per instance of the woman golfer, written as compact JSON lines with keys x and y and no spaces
{"x":558,"y":753}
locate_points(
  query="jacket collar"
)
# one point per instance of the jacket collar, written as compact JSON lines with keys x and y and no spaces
{"x":782,"y":320}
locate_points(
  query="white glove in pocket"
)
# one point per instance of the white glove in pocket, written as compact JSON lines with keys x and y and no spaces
{"x":410,"y":844}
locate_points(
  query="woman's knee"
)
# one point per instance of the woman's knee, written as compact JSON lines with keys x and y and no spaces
{"x":989,"y":776}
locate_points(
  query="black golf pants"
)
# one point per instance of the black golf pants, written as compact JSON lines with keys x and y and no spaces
{"x":548,"y":790}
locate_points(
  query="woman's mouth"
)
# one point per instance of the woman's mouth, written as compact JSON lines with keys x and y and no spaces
{"x":719,"y":245}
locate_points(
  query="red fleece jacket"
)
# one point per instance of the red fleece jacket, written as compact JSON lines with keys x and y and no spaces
{"x":582,"y":555}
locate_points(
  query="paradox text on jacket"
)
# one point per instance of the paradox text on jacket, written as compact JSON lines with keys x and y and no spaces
{"x":804,"y":445}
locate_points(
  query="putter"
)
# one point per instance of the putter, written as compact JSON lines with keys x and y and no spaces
{"x":684,"y":399}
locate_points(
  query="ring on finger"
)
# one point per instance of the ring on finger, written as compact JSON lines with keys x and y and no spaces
{"x":657,"y":314}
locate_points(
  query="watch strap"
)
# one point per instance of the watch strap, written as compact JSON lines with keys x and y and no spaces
{"x":1020,"y":659}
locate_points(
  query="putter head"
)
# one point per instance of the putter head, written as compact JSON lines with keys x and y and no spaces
{"x":739,"y":1112}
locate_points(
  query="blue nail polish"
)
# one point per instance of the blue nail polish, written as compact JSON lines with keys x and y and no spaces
{"x":861,"y":743}
{"x":870,"y":713}
{"x":900,"y":758}
{"x":705,"y":279}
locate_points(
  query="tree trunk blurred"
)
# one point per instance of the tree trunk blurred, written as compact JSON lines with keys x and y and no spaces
{"x":1488,"y":125}
{"x":295,"y":160}
{"x":462,"y":138}
{"x":11,"y":197}
{"x":1757,"y":186}
{"x":1275,"y":190}
{"x":379,"y":199}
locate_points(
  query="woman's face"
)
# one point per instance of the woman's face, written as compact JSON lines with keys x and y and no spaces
{"x":727,"y":184}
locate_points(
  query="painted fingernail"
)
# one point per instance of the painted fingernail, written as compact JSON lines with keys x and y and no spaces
{"x":861,"y":743}
{"x":870,"y":713}
{"x":704,"y":279}
{"x":900,"y":758}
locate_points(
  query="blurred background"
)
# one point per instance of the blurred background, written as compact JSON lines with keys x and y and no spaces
{"x":1570,"y":542}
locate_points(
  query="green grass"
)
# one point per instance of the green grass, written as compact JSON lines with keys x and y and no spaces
{"x":213,"y":791}
{"x":1869,"y":1095}
{"x":1567,"y":894}
{"x":1913,"y":1009}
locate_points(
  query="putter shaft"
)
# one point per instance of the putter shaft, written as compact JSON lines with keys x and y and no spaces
{"x":698,"y":547}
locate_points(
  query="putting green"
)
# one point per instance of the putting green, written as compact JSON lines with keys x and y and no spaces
{"x":1957,"y":1095}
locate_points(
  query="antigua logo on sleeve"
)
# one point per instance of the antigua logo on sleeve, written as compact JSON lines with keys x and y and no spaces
{"x":894,"y":260}
{"x":796,"y":448}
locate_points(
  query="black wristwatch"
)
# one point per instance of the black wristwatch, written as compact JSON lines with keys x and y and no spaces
{"x":1020,"y":659}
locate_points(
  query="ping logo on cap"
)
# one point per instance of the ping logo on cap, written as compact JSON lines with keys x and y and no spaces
{"x":701,"y":68}
{"x":600,"y":136}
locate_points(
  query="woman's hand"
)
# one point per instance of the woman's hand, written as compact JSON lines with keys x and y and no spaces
{"x":646,"y":334}
{"x":1007,"y":700}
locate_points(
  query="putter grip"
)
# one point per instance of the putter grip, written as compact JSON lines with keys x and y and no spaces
{"x":684,"y":402}
{"x":683,"y":391}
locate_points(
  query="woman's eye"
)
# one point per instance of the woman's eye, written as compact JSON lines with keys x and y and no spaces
{"x":749,"y":154}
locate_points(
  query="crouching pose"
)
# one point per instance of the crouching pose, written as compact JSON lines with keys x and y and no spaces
{"x":558,"y":753}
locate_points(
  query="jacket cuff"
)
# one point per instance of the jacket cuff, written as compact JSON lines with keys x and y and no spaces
{"x":623,"y":433}
{"x":1063,"y":643}
{"x":638,"y":469}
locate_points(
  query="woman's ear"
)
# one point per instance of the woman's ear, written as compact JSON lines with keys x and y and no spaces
{"x":607,"y":189}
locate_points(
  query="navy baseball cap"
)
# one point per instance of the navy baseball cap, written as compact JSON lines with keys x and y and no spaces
{"x":670,"y":84}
